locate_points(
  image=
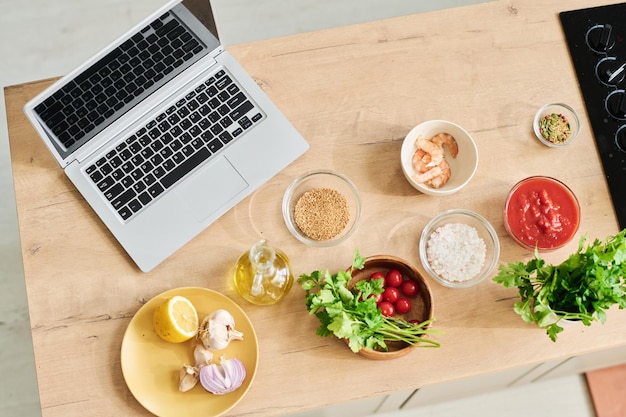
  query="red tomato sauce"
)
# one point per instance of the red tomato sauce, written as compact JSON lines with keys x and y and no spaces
{"x":542,"y":212}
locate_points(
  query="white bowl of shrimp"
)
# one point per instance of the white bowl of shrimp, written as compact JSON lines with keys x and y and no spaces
{"x":438,"y":157}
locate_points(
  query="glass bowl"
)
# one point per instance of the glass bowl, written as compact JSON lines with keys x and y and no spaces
{"x":558,"y":218}
{"x":451,"y":248}
{"x":321,"y":208}
{"x":565,"y":113}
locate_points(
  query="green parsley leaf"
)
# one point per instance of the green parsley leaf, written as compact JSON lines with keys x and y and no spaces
{"x":359,"y":261}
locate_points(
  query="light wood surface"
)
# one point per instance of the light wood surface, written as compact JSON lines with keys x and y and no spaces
{"x":353,"y":93}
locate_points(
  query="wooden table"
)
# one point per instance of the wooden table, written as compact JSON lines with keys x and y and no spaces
{"x":353,"y":92}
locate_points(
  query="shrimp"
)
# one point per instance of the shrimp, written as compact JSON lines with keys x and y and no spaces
{"x":428,"y":146}
{"x":427,"y":176}
{"x":444,"y":138}
{"x":441,"y":179}
{"x":421,"y":159}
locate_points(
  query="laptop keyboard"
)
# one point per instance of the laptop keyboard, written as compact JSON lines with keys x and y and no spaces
{"x":120,"y":80}
{"x":194,"y":127}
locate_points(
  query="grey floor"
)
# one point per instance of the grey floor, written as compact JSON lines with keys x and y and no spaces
{"x":43,"y":38}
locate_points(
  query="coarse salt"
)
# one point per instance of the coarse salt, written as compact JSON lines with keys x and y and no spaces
{"x":456,"y":252}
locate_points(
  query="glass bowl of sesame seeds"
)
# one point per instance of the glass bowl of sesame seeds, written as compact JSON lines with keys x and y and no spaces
{"x":556,"y":125}
{"x":321,"y":208}
{"x":459,"y":248}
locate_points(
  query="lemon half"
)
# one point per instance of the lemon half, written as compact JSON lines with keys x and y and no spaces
{"x":176,"y":319}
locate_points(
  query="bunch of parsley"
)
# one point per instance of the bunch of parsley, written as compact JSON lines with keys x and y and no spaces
{"x":353,"y":315}
{"x":581,"y":288}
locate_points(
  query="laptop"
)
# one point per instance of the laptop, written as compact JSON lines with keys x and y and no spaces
{"x":163,"y":131}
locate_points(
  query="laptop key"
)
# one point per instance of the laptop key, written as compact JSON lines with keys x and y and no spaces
{"x":123,"y":199}
{"x":163,"y":30}
{"x":225,"y":136}
{"x":114,"y":192}
{"x":241,"y":111}
{"x":167,"y":165}
{"x":145,"y":198}
{"x":236,"y":100}
{"x":139,"y":186}
{"x":117,"y":175}
{"x":215,"y":145}
{"x":125,"y":213}
{"x":96,"y":176}
{"x":188,"y":150}
{"x":223,"y":110}
{"x":185,"y":167}
{"x":159,"y":171}
{"x":245,"y":123}
{"x":134,"y":205}
{"x":226,"y":121}
{"x":149,"y":179}
{"x":155,"y":190}
{"x":223,"y":82}
{"x":106,"y":169}
{"x":216,"y":129}
{"x":127,"y":181}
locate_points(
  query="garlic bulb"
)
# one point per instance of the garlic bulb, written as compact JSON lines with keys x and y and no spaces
{"x":223,"y":378}
{"x":217,"y":330}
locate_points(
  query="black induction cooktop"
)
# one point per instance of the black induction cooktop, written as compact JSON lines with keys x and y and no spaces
{"x":596,"y":38}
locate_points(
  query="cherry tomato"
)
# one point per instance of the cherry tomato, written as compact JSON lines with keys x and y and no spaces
{"x":403,"y":305}
{"x":387,"y":309}
{"x":409,"y":288}
{"x":391,"y":294}
{"x":377,"y":274}
{"x":393,"y":278}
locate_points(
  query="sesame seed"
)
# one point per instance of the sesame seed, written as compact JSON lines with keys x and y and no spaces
{"x":321,"y":213}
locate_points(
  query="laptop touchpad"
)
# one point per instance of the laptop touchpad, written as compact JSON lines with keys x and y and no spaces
{"x":211,"y":187}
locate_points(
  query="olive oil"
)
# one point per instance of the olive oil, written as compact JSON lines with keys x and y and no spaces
{"x":263,"y":274}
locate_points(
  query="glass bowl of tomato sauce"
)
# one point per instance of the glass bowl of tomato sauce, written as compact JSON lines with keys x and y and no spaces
{"x":541,"y":212}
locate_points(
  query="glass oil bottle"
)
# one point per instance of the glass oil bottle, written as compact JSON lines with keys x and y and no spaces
{"x":263,"y":274}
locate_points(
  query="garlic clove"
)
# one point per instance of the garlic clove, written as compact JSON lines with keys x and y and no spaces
{"x":202,"y":356}
{"x":188,"y":378}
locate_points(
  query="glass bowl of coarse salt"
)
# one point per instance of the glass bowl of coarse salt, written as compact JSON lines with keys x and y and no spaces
{"x":459,"y":248}
{"x":321,"y":208}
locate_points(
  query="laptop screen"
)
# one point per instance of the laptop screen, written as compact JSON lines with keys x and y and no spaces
{"x":123,"y":75}
{"x":204,"y":13}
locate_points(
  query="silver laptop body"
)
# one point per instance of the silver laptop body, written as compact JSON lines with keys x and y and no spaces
{"x":167,"y":161}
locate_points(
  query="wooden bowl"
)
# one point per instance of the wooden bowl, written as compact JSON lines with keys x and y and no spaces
{"x":421,"y":304}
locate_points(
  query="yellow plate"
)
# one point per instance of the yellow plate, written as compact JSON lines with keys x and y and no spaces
{"x":151,"y":365}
